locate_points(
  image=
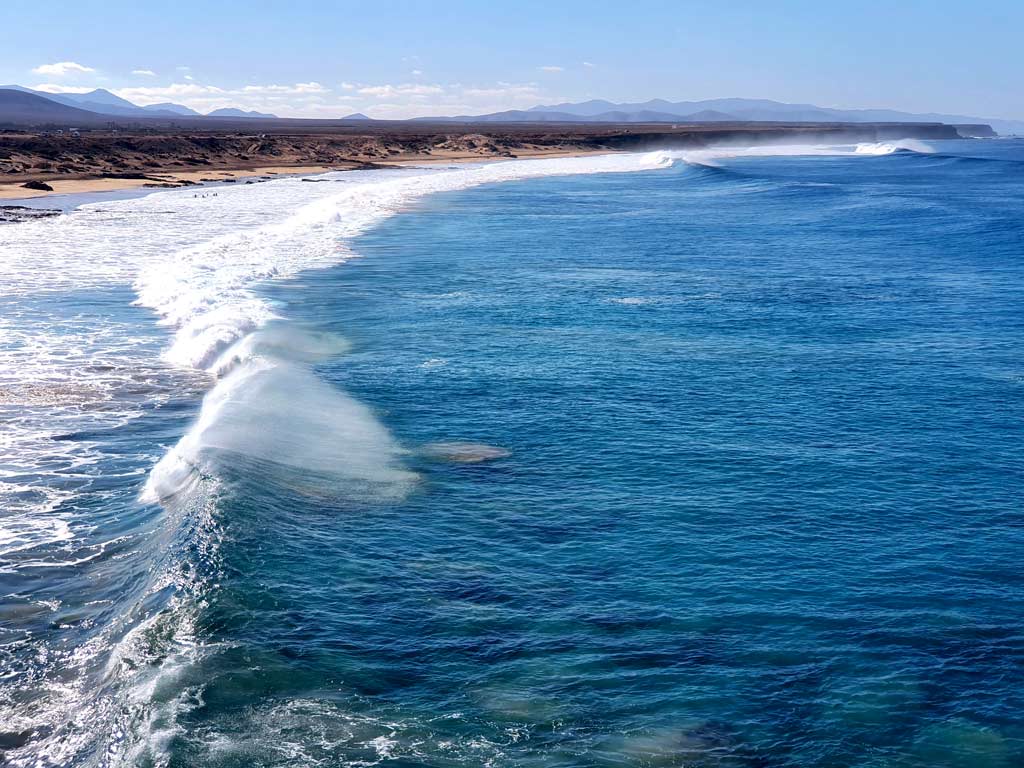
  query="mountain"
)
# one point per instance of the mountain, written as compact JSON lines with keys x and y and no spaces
{"x":612,"y":116}
{"x":758,"y":110}
{"x":99,"y":97}
{"x":169,"y":108}
{"x":19,"y":107}
{"x":509,"y":116}
{"x":710,"y":116}
{"x":103,"y":102}
{"x":582,"y":109}
{"x":100,"y":102}
{"x":232,"y":112}
{"x":651,"y":116}
{"x":715,"y":111}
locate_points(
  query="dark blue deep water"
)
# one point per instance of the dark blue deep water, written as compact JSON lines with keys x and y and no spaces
{"x":757,"y":503}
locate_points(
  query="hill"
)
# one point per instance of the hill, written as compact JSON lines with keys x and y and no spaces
{"x":752,"y":110}
{"x":232,"y":112}
{"x":103,"y":102}
{"x":21,"y":108}
{"x":169,"y":108}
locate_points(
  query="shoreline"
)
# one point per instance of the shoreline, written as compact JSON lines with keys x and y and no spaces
{"x":109,"y":160}
{"x":11,"y":193}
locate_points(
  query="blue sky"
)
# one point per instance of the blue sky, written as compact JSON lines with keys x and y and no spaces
{"x":402,"y":59}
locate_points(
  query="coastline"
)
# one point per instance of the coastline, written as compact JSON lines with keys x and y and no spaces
{"x":159,"y":179}
{"x":110,"y":160}
{"x":156,"y":181}
{"x":595,"y":278}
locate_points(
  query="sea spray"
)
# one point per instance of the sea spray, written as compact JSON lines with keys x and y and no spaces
{"x":274,"y":411}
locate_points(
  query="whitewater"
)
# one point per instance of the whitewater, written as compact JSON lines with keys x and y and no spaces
{"x":199,"y":337}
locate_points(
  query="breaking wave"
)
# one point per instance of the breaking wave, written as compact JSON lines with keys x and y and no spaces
{"x":891,"y":147}
{"x":197,"y":264}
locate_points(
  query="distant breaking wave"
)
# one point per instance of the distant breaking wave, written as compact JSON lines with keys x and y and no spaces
{"x":889,"y":147}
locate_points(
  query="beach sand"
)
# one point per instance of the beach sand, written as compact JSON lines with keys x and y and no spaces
{"x":156,"y":178}
{"x":87,"y":185}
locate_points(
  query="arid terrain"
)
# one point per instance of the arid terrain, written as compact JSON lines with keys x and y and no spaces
{"x":94,"y":159}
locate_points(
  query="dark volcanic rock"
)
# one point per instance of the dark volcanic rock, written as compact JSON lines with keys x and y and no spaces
{"x":975,"y":131}
{"x":13,"y":213}
{"x":42,"y":186}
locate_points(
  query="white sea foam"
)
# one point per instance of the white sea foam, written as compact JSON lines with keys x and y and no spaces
{"x":206,"y":292}
{"x":196,"y":263}
{"x":712,"y":155}
{"x":632,"y":300}
{"x":889,"y":147}
{"x":280,"y":414}
{"x":270,"y":408}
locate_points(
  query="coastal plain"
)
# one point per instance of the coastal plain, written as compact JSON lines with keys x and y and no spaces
{"x":97,"y":159}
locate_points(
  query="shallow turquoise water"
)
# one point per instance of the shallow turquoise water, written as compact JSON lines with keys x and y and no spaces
{"x":757,"y":503}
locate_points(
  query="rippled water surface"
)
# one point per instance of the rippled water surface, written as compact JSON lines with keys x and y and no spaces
{"x":711,"y":461}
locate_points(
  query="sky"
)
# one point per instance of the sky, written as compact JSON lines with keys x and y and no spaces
{"x":389,"y":59}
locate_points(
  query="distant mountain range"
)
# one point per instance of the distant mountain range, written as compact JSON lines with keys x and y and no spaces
{"x":103,"y":102}
{"x":718,"y":110}
{"x":90,"y":107}
{"x":20,"y":108}
{"x":232,"y":112}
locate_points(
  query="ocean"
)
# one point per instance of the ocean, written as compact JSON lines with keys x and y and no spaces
{"x":706,"y":459}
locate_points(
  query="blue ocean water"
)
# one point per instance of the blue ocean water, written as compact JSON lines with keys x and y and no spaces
{"x":717,"y":464}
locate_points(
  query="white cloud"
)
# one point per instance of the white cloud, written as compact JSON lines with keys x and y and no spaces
{"x":588,"y":65}
{"x":416,"y":72}
{"x":144,"y":72}
{"x":551,"y":69}
{"x":152,"y":95}
{"x":189,"y":77}
{"x":405,"y":89}
{"x":288,"y":100}
{"x":504,"y":92}
{"x":315,"y":100}
{"x":453,"y":99}
{"x":62,"y":69}
{"x":58,"y":88}
{"x":297,"y":88}
{"x":267,"y":88}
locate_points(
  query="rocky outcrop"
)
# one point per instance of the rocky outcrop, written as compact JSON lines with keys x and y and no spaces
{"x":975,"y":131}
{"x":9,"y":214}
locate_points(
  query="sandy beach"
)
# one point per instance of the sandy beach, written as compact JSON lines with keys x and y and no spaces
{"x":14,"y":191}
